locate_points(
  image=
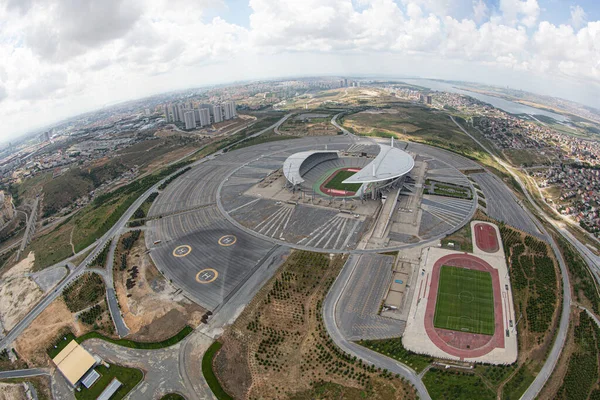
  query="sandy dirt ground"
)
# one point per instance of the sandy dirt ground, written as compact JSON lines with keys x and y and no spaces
{"x":18,"y":292}
{"x":12,"y":391}
{"x":44,"y":330}
{"x":153,"y":309}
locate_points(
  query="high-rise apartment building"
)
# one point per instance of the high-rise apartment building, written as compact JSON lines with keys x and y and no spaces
{"x":189,"y":119}
{"x":204,"y":116}
{"x":217,"y":114}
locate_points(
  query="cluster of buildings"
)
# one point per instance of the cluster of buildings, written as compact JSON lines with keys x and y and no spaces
{"x":200,"y":116}
{"x":579,"y":188}
{"x":346,"y":83}
{"x":572,"y":171}
{"x":415,"y":95}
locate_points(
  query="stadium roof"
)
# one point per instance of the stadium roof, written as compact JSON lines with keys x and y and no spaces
{"x":291,"y":166}
{"x":74,"y":362}
{"x":390,"y":163}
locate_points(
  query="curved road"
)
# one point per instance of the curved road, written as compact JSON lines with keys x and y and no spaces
{"x":368,"y":356}
{"x":561,"y":336}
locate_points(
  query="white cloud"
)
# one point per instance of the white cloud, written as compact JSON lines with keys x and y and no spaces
{"x":66,"y":56}
{"x":578,"y":17}
{"x":480,"y":10}
{"x":524,"y":12}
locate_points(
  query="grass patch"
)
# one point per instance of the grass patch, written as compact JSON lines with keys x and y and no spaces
{"x":129,"y":378}
{"x":338,"y":178}
{"x":454,"y":385}
{"x":178,"y":337}
{"x":209,"y":375}
{"x":460,"y":239}
{"x":465,"y":301}
{"x":393,"y":348}
{"x":172,"y":396}
{"x":66,"y":338}
{"x":519,"y":383}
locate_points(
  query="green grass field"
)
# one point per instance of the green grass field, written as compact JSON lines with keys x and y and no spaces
{"x":465,"y":301}
{"x":340,"y":176}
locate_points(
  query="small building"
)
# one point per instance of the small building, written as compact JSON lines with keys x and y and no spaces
{"x":74,"y":362}
{"x":111,"y":389}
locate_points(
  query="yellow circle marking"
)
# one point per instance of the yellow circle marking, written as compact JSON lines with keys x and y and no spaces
{"x":227,"y":240}
{"x":207,"y":275}
{"x":182,"y":251}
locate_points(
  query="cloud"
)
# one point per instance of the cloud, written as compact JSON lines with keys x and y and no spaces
{"x":3,"y":93}
{"x":578,"y":17}
{"x":524,"y":12}
{"x":480,"y":10}
{"x":66,"y":56}
{"x":67,"y":28}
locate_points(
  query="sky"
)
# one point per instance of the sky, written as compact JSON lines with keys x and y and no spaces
{"x":60,"y":58}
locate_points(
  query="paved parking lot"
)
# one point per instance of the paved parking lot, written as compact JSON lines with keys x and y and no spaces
{"x":357,"y":311}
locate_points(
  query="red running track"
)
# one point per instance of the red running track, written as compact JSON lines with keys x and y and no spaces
{"x":463,"y":344}
{"x":486,"y":238}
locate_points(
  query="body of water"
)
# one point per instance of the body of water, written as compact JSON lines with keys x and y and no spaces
{"x":502,"y":104}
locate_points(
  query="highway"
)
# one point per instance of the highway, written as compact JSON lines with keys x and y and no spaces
{"x":561,"y":336}
{"x":368,"y":356}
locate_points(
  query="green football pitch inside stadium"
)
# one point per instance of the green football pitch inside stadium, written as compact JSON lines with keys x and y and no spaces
{"x":340,"y":176}
{"x":465,"y":301}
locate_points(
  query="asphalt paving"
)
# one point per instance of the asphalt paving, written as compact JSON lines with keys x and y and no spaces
{"x":358,"y":309}
{"x":368,"y":356}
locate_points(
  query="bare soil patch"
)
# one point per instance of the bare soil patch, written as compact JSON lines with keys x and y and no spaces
{"x":18,"y":293}
{"x":43,"y":331}
{"x":12,"y":391}
{"x":153,"y":309}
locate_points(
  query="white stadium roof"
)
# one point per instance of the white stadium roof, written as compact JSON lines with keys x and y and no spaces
{"x":291,"y":166}
{"x":390,"y":163}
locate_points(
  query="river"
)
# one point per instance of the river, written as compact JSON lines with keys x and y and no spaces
{"x":502,"y":104}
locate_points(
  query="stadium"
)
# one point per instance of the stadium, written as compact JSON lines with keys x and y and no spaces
{"x":364,"y":176}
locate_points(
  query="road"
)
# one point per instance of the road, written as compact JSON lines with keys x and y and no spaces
{"x":111,"y":297}
{"x":368,"y":356}
{"x":30,"y":227}
{"x":561,"y":336}
{"x":24,"y":373}
{"x":80,"y":269}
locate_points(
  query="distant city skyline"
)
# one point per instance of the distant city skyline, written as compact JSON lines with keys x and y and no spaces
{"x":63,"y":58}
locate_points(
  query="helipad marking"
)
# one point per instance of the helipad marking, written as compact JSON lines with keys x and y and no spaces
{"x":227,"y":240}
{"x":207,"y":275}
{"x":182,"y":251}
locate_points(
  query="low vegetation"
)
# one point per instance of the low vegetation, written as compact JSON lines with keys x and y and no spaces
{"x":66,"y":338}
{"x":209,"y":375}
{"x":393,"y":348}
{"x":280,"y":336}
{"x":460,"y":240}
{"x":85,"y":292}
{"x":581,"y":378}
{"x":584,"y":285}
{"x":456,"y":385}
